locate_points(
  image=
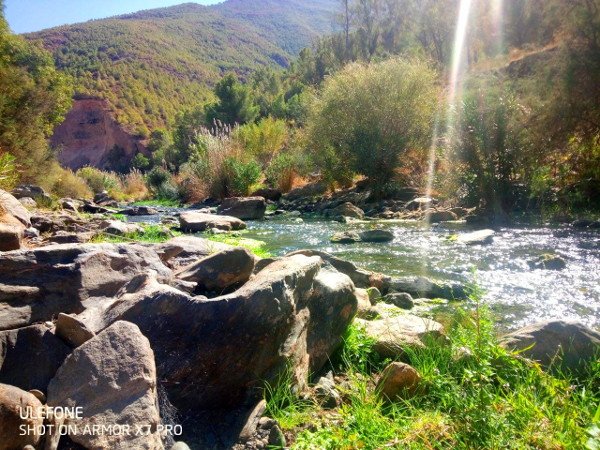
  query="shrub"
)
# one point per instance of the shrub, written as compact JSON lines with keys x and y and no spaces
{"x":263,"y":140}
{"x":285,"y":168}
{"x":240,"y":176}
{"x":8,"y":172}
{"x":65,"y":183}
{"x":98,"y":180}
{"x":134,"y":186}
{"x":157,"y":177}
{"x":367,"y":116}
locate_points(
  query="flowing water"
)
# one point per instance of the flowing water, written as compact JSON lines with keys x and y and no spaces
{"x":517,"y":294}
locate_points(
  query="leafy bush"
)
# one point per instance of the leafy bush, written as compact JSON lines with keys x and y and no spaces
{"x":263,"y":140}
{"x":367,"y":116}
{"x":8,"y":172}
{"x":98,"y":180}
{"x":285,"y":168}
{"x":240,"y":176}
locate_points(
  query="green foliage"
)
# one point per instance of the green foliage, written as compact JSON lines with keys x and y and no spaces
{"x":8,"y":172}
{"x":153,"y":234}
{"x":237,"y":240}
{"x":140,"y":162}
{"x":367,"y":116}
{"x":98,"y":180}
{"x":285,"y":168}
{"x":262,"y":140}
{"x":240,"y":176}
{"x":235,"y":104}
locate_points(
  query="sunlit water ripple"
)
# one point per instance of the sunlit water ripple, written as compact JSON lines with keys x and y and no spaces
{"x":517,"y":294}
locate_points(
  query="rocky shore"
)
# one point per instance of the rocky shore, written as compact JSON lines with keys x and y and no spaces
{"x":182,"y":336}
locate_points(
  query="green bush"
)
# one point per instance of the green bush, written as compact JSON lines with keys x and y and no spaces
{"x":8,"y":172}
{"x":367,"y":116}
{"x":263,"y":140}
{"x":240,"y":176}
{"x":98,"y":180}
{"x":285,"y":168}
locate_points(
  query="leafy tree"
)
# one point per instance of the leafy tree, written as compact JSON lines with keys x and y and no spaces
{"x":34,"y":97}
{"x":367,"y":116}
{"x":235,"y":103}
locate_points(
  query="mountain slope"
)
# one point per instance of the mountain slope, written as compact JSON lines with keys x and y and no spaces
{"x":152,"y":64}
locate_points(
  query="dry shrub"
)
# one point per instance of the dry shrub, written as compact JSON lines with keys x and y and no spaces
{"x":134,"y":186}
{"x":65,"y":183}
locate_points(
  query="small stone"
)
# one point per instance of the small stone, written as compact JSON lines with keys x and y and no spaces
{"x":180,"y":446}
{"x":326,"y":394}
{"x":376,"y":236}
{"x":401,"y":300}
{"x":548,"y":262}
{"x":345,"y":237}
{"x":374,"y":295}
{"x":276,"y":438}
{"x":28,"y":202}
{"x":39,"y":395}
{"x":398,"y":380}
{"x":72,"y":331}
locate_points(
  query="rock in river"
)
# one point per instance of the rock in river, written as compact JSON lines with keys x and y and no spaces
{"x":196,"y":222}
{"x":245,"y":208}
{"x":376,"y":236}
{"x":481,"y":237}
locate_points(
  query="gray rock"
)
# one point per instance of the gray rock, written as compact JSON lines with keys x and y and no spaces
{"x":12,"y":211}
{"x":30,"y":191}
{"x":12,"y":401}
{"x":73,"y":331}
{"x":401,"y":300}
{"x":392,"y":335}
{"x":556,"y":344}
{"x":440,"y":216}
{"x":65,"y":237}
{"x":326,"y":393}
{"x":42,"y":282}
{"x":276,"y":438}
{"x":180,"y":446}
{"x":424,"y":287}
{"x":481,"y":237}
{"x":221,"y":271}
{"x":398,"y":380}
{"x":374,"y":295}
{"x":30,"y":357}
{"x":419,"y":203}
{"x":376,"y":236}
{"x":245,"y":208}
{"x":292,"y":315}
{"x":184,"y":250}
{"x":112,"y":377}
{"x":196,"y":222}
{"x":345,"y":210}
{"x":10,"y":237}
{"x":345,"y":237}
{"x":268,"y":194}
{"x":118,"y":228}
{"x":70,"y":205}
{"x":28,"y":202}
{"x":31,"y":233}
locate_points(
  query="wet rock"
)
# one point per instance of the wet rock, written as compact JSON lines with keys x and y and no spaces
{"x":112,"y":377}
{"x":244,"y":208}
{"x":292,"y":315}
{"x":221,"y":271}
{"x":73,"y":331}
{"x":42,"y":282}
{"x":345,"y":210}
{"x":30,"y":357}
{"x":481,"y":237}
{"x":345,"y":237}
{"x":10,"y":237}
{"x":139,"y":211}
{"x":393,"y":334}
{"x":118,"y":228}
{"x":548,"y":262}
{"x":424,"y":287}
{"x":376,"y":236}
{"x":12,"y":401}
{"x":195,"y":222}
{"x":556,"y":344}
{"x":401,"y":300}
{"x":397,"y":381}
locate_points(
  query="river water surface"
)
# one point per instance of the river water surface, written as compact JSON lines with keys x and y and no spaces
{"x":516,"y":294}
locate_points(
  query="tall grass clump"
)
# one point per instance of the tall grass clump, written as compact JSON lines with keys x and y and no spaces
{"x":8,"y":171}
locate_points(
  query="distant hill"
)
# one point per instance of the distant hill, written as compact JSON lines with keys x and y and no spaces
{"x":151,"y":64}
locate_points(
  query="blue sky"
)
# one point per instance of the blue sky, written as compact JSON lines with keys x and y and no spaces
{"x":33,"y":15}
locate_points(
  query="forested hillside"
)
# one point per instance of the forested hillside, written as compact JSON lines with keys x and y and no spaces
{"x":151,"y":64}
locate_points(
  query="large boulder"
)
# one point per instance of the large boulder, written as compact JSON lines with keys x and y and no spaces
{"x":361,"y":278}
{"x":31,"y":191}
{"x":376,"y":236}
{"x":12,"y":212}
{"x":182,"y":251}
{"x":30,"y":357}
{"x":421,"y":287}
{"x":212,"y":353}
{"x":14,"y":404}
{"x":221,"y":271}
{"x":112,"y":377}
{"x":557,"y":344}
{"x":245,"y":208}
{"x":271,"y":194}
{"x":37,"y":284}
{"x":393,"y":334}
{"x":345,"y":237}
{"x":197,"y":222}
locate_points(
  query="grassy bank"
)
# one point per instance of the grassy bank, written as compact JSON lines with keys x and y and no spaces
{"x":474,"y":394}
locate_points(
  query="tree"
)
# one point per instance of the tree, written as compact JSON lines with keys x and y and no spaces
{"x":235,"y":104}
{"x":367,"y":115}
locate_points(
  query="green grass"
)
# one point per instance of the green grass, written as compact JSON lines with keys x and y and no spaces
{"x":474,"y":395}
{"x":152,"y":234}
{"x":253,"y":245}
